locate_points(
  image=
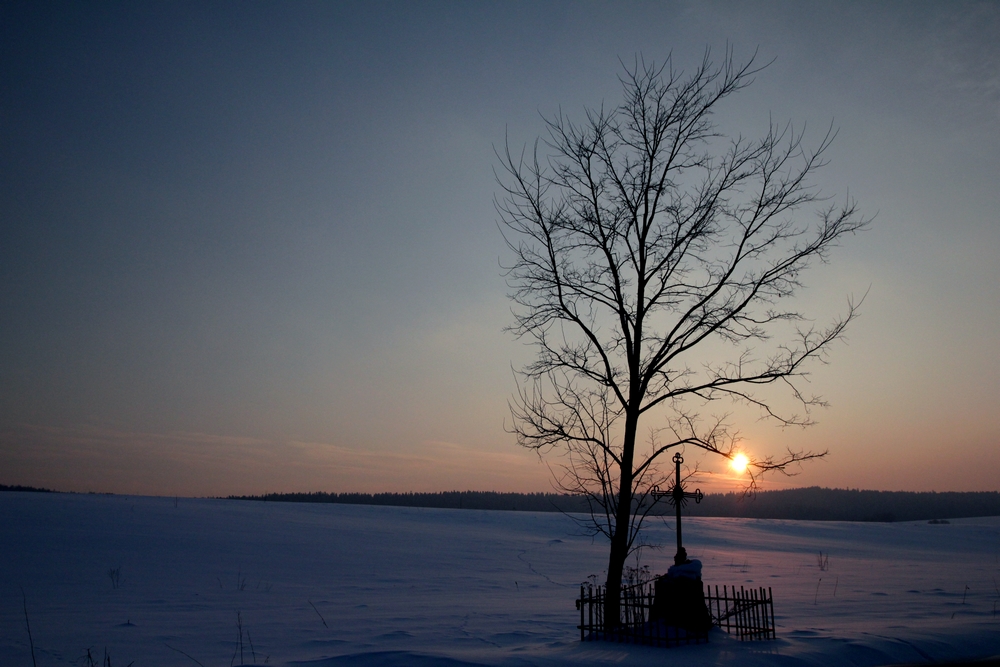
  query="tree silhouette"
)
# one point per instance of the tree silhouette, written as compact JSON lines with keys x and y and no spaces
{"x":640,"y":238}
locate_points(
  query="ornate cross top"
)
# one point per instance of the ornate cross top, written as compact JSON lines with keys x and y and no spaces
{"x":678,"y":497}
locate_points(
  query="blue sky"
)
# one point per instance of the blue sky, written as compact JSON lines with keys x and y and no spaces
{"x":252,"y":247}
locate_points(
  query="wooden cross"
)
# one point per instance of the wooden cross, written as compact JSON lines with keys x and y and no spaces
{"x":677,"y":497}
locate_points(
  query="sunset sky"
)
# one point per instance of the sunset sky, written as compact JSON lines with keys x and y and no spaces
{"x":251,"y":247}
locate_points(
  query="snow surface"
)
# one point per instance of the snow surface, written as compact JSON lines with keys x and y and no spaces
{"x":343,"y":585}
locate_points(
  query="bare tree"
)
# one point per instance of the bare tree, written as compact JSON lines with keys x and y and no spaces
{"x":642,"y":237}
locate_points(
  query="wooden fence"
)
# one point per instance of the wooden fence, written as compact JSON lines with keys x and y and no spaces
{"x":748,"y":614}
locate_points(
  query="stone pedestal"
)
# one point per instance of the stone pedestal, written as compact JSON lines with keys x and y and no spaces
{"x":679,"y":598}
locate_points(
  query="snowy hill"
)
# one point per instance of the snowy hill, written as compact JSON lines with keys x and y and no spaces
{"x":328,"y":584}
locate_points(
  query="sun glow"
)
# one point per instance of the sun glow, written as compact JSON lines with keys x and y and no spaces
{"x":740,"y":463}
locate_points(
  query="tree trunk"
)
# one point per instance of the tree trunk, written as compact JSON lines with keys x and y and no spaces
{"x":623,"y":520}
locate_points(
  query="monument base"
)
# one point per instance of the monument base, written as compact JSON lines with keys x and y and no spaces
{"x":680,"y":601}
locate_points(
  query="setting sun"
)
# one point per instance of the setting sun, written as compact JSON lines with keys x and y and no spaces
{"x":740,"y":462}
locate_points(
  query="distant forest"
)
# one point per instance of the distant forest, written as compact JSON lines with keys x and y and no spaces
{"x":18,"y":487}
{"x":813,"y":503}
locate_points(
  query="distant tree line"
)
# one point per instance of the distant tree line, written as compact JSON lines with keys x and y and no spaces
{"x":820,"y":504}
{"x":18,"y":487}
{"x":472,"y":500}
{"x":813,"y":503}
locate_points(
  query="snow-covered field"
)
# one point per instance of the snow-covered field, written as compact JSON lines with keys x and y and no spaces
{"x":355,"y":585}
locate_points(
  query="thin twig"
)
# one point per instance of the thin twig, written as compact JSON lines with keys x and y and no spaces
{"x":182,"y":653}
{"x":24,"y":600}
{"x":239,"y":643}
{"x":319,"y":614}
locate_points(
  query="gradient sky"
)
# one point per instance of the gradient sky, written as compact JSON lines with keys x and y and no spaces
{"x":251,"y":247}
